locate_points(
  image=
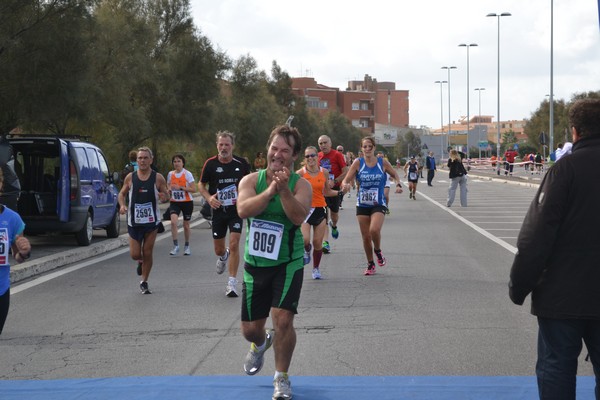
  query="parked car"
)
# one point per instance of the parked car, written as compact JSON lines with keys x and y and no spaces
{"x":66,"y":187}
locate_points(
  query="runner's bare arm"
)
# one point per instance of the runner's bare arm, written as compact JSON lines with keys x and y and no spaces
{"x":297,"y":204}
{"x":350,"y":176}
{"x":249,"y":204}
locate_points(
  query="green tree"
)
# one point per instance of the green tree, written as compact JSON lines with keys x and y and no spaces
{"x":280,"y":86}
{"x":254,"y":109}
{"x":43,"y":50}
{"x":509,"y":139}
{"x":335,"y":125}
{"x":540,"y":121}
{"x":408,"y":144}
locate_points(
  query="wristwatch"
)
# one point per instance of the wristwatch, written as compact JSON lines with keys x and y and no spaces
{"x":25,"y":256}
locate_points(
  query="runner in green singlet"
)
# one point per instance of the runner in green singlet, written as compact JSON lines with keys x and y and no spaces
{"x":275,"y":202}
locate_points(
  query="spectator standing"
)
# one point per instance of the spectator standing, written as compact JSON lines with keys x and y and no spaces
{"x":421,"y":162}
{"x":260,"y":161}
{"x":131,"y":165}
{"x":431,"y":167}
{"x":275,"y":201}
{"x":557,"y":259}
{"x":11,"y":189}
{"x":538,"y":163}
{"x":458,"y":176}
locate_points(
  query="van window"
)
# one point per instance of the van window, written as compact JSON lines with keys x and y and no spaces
{"x":84,"y":166}
{"x":94,"y":164}
{"x":103,"y":166}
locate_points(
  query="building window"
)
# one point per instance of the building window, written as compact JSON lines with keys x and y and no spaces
{"x":315,"y":102}
{"x":355,"y":107}
{"x":356,"y":123}
{"x":364,"y":105}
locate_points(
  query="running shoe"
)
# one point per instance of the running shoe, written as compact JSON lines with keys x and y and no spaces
{"x":307,"y":255}
{"x":316,"y":274}
{"x":144,"y":288}
{"x":175,"y":250}
{"x":255,"y":358}
{"x":326,"y":247}
{"x":187,"y":251}
{"x":231,"y":290}
{"x":381,"y":261}
{"x":283,"y":388}
{"x":138,"y":270}
{"x":414,"y":196}
{"x":410,"y":195}
{"x":222,"y":262}
{"x":334,"y":231}
{"x":370,"y":269}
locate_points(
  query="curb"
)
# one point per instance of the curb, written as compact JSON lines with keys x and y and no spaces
{"x":45,"y":264}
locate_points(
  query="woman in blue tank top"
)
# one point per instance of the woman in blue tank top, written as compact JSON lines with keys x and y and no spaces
{"x":370,"y":173}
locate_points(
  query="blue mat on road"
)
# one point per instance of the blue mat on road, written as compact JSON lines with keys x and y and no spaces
{"x":304,"y":388}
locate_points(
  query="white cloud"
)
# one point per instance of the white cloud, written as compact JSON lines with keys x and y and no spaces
{"x":408,"y":41}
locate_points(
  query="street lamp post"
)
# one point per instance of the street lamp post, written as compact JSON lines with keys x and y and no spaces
{"x":449,"y":114}
{"x":479,"y":89}
{"x":468,"y":93}
{"x":441,"y":116}
{"x":504,"y":14}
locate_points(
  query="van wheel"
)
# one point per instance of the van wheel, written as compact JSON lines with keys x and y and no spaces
{"x":84,"y":236}
{"x":114,"y":228}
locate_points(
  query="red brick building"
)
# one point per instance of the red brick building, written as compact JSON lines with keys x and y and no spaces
{"x":364,"y":103}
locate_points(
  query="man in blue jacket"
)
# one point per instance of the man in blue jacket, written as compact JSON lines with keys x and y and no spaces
{"x":430,"y":165}
{"x":558,"y":259}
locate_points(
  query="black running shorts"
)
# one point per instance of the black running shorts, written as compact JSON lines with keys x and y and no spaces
{"x":267,"y":287}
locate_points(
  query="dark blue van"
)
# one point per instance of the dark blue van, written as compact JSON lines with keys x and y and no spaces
{"x":66,"y":187}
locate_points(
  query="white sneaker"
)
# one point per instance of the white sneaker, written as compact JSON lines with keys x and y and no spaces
{"x":187,"y":251}
{"x":316,"y":274}
{"x":255,"y":358}
{"x":174,"y":251}
{"x":222,"y":262}
{"x":231,"y":290}
{"x":283,"y":388}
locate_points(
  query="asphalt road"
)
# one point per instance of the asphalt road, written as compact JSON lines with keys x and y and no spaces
{"x":440,"y":306}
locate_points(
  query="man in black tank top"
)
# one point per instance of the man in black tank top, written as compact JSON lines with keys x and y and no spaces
{"x":142,"y":190}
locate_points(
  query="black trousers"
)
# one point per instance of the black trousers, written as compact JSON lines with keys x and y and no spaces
{"x":430,"y":175}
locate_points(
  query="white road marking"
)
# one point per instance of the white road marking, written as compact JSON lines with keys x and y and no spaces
{"x":479,"y":230}
{"x":48,"y":277}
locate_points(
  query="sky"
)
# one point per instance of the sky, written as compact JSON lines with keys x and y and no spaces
{"x":407,"y":42}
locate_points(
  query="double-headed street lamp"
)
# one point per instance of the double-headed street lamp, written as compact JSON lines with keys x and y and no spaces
{"x":504,"y":14}
{"x":441,"y":116}
{"x":449,"y":113}
{"x":468,"y":91}
{"x":479,"y":89}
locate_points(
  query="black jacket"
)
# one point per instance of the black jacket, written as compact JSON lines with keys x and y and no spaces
{"x":456,"y":168}
{"x":558,"y":258}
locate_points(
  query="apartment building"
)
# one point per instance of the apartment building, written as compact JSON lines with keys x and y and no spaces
{"x":365,"y":103}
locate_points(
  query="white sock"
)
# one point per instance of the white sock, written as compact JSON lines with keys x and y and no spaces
{"x":280,"y":374}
